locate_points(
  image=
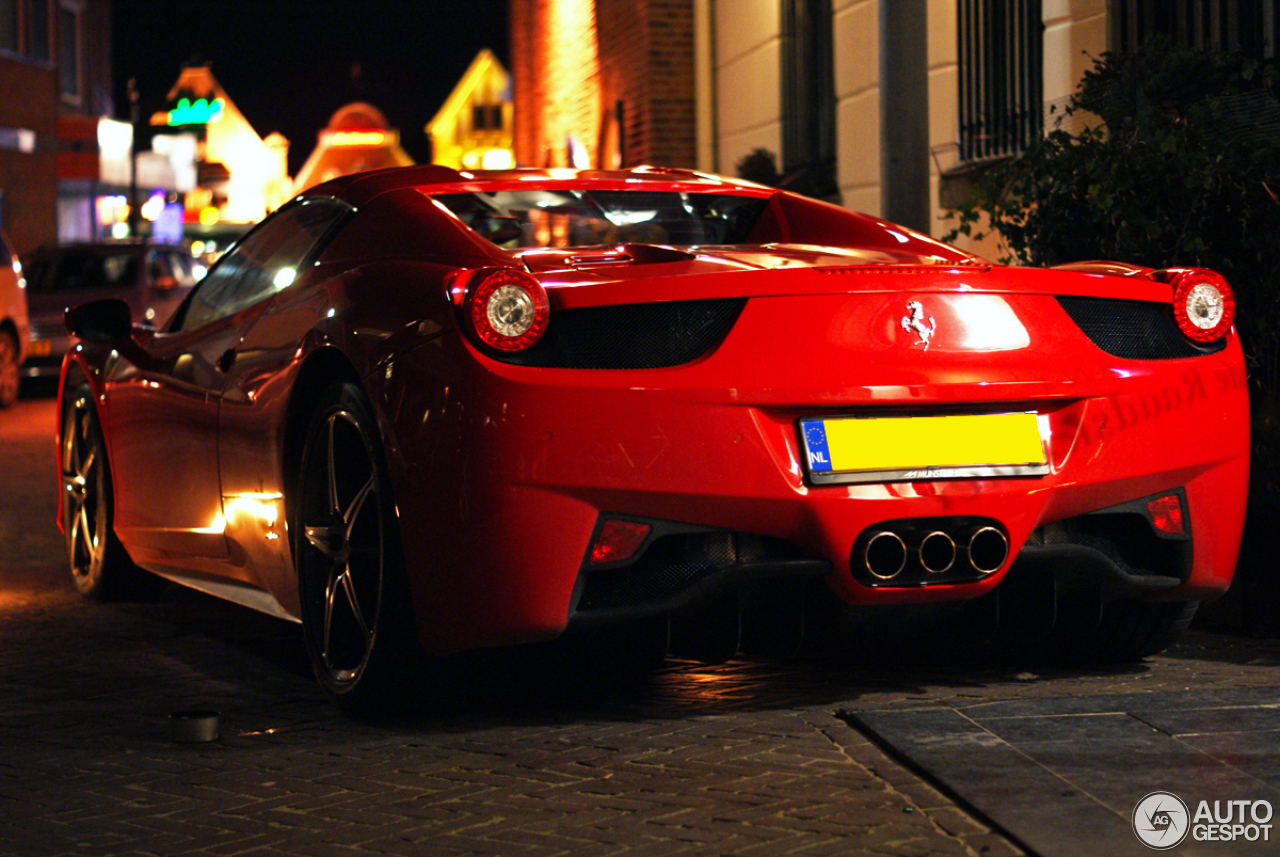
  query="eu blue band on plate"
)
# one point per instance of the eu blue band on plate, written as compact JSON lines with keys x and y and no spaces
{"x":815,"y":445}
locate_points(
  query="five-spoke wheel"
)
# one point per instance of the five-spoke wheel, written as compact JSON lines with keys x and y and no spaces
{"x":349,"y":568}
{"x":100,"y":567}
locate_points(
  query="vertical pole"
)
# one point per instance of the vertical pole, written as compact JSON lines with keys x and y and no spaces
{"x":904,"y":113}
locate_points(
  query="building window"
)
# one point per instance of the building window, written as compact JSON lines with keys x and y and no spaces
{"x":69,"y":52}
{"x":808,"y":98}
{"x":1246,"y":25}
{"x":1001,"y":50}
{"x":8,"y":25}
{"x":38,"y":29}
{"x":486,"y":117}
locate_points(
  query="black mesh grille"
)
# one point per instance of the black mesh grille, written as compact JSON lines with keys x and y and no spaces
{"x":1134,"y":330}
{"x":631,"y":336}
{"x":675,"y":563}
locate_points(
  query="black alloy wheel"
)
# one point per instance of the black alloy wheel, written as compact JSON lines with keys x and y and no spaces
{"x":100,"y":566}
{"x":354,"y":599}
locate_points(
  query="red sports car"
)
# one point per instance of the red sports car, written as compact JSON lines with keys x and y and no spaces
{"x":421,"y":410}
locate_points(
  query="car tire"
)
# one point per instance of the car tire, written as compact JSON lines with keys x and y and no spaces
{"x":356,"y":607}
{"x":9,"y":381}
{"x":100,"y":566}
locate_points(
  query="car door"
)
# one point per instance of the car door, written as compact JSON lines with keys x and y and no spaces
{"x":163,"y":408}
{"x":251,"y":412}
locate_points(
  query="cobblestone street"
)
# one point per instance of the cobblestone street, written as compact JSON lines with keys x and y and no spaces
{"x":541,"y":752}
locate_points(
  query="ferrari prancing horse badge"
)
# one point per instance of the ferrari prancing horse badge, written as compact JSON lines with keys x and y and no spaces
{"x":913,"y":322}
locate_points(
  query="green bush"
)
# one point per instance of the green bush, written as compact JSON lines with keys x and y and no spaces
{"x":1174,"y":159}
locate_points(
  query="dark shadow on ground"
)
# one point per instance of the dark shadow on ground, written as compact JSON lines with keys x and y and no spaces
{"x":230,"y":656}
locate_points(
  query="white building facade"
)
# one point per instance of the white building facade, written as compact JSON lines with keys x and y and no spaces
{"x":913,"y":95}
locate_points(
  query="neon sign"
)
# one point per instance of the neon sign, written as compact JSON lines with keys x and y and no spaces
{"x":202,"y":112}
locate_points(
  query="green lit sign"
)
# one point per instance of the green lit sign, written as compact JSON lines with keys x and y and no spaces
{"x":202,"y":112}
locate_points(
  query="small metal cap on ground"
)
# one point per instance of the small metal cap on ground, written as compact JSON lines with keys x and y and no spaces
{"x":194,"y":726}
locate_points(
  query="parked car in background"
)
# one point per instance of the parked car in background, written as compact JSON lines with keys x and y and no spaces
{"x":152,"y":279}
{"x":13,"y":322}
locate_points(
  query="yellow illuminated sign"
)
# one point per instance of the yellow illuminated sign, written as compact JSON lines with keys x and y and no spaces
{"x":357,"y":138}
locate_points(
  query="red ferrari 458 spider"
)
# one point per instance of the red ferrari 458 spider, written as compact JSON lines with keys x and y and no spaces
{"x":421,"y":410}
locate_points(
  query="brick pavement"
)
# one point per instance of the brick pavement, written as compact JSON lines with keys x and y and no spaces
{"x":526,"y":752}
{"x":529,"y":753}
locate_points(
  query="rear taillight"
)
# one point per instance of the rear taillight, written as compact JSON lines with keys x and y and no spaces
{"x":507,"y":309}
{"x":1203,"y":304}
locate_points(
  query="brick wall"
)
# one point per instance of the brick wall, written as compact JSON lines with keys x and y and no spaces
{"x":29,"y":180}
{"x":555,"y":79}
{"x":573,"y":61}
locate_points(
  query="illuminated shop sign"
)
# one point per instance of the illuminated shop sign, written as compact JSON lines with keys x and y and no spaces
{"x":201,"y":112}
{"x":357,"y":138}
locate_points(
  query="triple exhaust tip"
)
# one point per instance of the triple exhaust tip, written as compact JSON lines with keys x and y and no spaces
{"x":985,"y":550}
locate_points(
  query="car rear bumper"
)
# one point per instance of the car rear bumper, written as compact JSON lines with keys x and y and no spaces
{"x":499,"y":524}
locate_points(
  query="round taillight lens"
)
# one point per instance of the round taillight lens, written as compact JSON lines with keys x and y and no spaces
{"x":1203,"y":304}
{"x":508,"y":309}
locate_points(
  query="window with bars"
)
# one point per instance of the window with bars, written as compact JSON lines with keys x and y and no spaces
{"x":808,"y":98}
{"x":1246,"y":25}
{"x":1001,"y":53}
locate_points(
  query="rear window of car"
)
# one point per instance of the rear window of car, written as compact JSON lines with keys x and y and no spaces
{"x":585,"y":218}
{"x":76,"y":270}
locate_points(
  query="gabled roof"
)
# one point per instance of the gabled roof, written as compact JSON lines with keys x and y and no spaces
{"x":481,"y":67}
{"x":194,"y":82}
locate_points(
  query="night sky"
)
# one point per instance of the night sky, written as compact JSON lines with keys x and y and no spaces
{"x":289,"y":64}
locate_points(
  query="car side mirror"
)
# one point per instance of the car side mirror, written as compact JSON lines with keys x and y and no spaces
{"x":108,"y":321}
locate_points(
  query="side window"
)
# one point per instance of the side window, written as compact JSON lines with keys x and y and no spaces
{"x":266,"y":261}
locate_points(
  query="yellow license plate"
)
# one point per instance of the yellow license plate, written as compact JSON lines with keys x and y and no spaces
{"x":905,"y":449}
